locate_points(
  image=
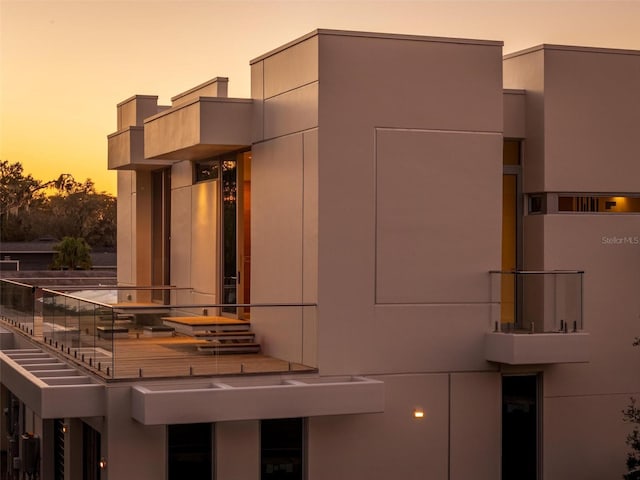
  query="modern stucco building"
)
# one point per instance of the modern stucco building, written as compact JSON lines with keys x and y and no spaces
{"x":440,"y":242}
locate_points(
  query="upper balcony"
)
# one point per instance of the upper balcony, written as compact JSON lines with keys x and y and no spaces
{"x":538,"y":318}
{"x":199,"y":128}
{"x":222,"y":362}
{"x":121,"y":333}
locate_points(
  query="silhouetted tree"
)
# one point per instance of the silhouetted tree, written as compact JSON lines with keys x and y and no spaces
{"x":632,"y":415}
{"x":62,"y":207}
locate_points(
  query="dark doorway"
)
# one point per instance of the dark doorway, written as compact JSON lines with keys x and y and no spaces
{"x":90,"y":453}
{"x":282,"y":449}
{"x":190,"y":451}
{"x":520,"y":427}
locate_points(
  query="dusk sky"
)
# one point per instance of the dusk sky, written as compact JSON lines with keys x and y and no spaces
{"x":64,"y":65}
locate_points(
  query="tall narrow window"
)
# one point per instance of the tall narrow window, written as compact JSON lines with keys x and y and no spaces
{"x":58,"y":449}
{"x":282,"y":449}
{"x":520,"y":427}
{"x":160,"y":231}
{"x":90,"y":453}
{"x":511,"y":212}
{"x":233,"y":172}
{"x":190,"y":451}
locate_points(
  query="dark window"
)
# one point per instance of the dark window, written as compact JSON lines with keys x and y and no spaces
{"x":58,"y":449}
{"x":160,"y":232}
{"x":519,"y":427}
{"x":282,"y":449}
{"x":90,"y":453}
{"x":190,"y":451}
{"x":207,"y":170}
{"x":536,"y":203}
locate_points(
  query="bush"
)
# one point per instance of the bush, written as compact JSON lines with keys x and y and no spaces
{"x":72,"y":253}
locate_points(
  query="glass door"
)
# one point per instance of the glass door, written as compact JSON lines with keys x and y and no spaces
{"x":235,"y":231}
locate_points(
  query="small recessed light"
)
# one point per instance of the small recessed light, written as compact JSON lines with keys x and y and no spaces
{"x":418,"y":413}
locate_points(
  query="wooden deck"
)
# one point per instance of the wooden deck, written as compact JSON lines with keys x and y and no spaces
{"x":140,"y":356}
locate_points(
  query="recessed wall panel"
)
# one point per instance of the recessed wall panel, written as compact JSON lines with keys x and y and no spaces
{"x":438,"y":215}
{"x":291,"y":112}
{"x":291,"y":68}
{"x":204,"y":229}
{"x":276,"y":235}
{"x":181,"y":237}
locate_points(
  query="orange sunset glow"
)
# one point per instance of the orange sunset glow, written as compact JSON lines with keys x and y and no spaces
{"x":64,"y":65}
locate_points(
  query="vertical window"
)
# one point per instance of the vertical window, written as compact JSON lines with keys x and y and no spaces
{"x":511,"y":228}
{"x":160,"y":230}
{"x":90,"y":453}
{"x":58,"y":449}
{"x":233,"y":171}
{"x":190,"y":451}
{"x":520,"y":427}
{"x":282,"y":449}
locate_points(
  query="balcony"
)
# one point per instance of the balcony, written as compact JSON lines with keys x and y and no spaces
{"x":537,"y":318}
{"x":199,"y":128}
{"x":153,"y":333}
{"x":220,"y":362}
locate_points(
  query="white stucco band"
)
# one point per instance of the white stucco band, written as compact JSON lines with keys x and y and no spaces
{"x":541,"y":348}
{"x":50,"y":388}
{"x":220,"y":401}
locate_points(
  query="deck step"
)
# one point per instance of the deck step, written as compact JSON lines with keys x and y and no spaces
{"x":227,"y":335}
{"x":217,"y":348}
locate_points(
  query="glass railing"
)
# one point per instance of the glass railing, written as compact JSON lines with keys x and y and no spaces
{"x":123,"y":333}
{"x":71,"y":325}
{"x":17,"y":302}
{"x":537,"y":301}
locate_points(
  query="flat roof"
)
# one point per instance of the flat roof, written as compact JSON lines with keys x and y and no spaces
{"x":391,"y":36}
{"x":572,"y":48}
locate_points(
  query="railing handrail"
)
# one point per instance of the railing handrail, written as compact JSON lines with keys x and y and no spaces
{"x":212,"y":305}
{"x":537,"y":272}
{"x":73,"y":297}
{"x":124,"y":307}
{"x":19,"y":284}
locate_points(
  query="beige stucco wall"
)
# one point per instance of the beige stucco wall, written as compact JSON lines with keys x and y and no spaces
{"x":126,"y":228}
{"x":376,"y":190}
{"x":582,"y":106}
{"x":409,"y":202}
{"x":369,"y":214}
{"x":581,"y":112}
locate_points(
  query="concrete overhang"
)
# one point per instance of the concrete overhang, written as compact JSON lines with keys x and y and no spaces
{"x":537,"y":348}
{"x":48,"y":387}
{"x":126,"y":151}
{"x":251,"y":400}
{"x":199,"y":128}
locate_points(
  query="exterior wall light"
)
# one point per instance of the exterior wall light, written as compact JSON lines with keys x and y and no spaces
{"x":418,"y":413}
{"x":65,"y":428}
{"x":102,"y":463}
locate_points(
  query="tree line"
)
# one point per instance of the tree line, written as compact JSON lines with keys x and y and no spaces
{"x":31,"y":209}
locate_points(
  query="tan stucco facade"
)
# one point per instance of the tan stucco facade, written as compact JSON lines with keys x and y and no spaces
{"x":376,"y":206}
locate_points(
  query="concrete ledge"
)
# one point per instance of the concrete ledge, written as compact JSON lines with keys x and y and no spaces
{"x":65,"y":396}
{"x":537,"y":348}
{"x":272,"y":398}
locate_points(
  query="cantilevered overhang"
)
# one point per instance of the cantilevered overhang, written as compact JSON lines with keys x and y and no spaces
{"x":126,"y":151}
{"x":537,"y":348}
{"x":199,"y":128}
{"x":49,"y":387}
{"x":268,"y":398}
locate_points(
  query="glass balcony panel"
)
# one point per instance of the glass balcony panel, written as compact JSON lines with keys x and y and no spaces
{"x":120,"y":333}
{"x":537,"y":301}
{"x":17,"y":304}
